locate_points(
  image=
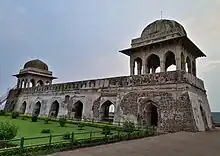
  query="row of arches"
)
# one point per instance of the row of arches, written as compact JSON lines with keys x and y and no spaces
{"x":154,"y":64}
{"x":25,"y":83}
{"x":106,"y":111}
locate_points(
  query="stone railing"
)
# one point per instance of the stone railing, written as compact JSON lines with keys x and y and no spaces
{"x":123,"y":81}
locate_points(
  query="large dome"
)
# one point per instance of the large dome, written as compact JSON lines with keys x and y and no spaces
{"x":36,"y":64}
{"x":163,"y":25}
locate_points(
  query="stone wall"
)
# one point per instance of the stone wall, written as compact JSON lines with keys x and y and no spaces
{"x":170,"y":92}
{"x":174,"y":113}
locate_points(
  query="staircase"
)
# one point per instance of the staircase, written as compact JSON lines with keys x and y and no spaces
{"x":3,"y":98}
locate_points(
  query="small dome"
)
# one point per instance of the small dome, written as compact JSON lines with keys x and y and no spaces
{"x":36,"y":64}
{"x":163,"y":25}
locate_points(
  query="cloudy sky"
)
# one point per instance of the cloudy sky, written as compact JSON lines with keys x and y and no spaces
{"x":80,"y":39}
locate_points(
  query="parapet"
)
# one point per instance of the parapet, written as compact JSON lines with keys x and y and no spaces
{"x":172,"y":77}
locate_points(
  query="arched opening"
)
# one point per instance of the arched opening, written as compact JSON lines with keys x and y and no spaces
{"x":193,"y":68}
{"x":36,"y":110}
{"x":23,"y":107}
{"x":32,"y":83}
{"x":204,"y":118}
{"x":170,"y":61}
{"x":107,"y":111}
{"x":182,"y":61}
{"x":22,"y":84}
{"x":138,"y":66}
{"x":77,"y":110}
{"x":39,"y":83}
{"x":152,"y":115}
{"x":67,"y":97}
{"x":188,"y":65}
{"x":54,"y":109}
{"x":153,"y":64}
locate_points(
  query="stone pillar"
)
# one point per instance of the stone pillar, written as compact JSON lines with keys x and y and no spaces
{"x":178,"y":63}
{"x":147,"y":70}
{"x":162,"y":66}
{"x":131,"y":67}
{"x":26,"y":83}
{"x":144,"y":66}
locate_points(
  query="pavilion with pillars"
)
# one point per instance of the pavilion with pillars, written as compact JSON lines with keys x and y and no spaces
{"x":162,"y":44}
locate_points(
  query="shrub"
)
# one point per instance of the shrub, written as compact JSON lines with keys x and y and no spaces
{"x":2,"y":112}
{"x":46,"y":120}
{"x":62,"y":121}
{"x":7,"y":130}
{"x":106,"y":130}
{"x":14,"y":115}
{"x":22,"y":118}
{"x":81,"y":125}
{"x":128,"y":126}
{"x":34,"y":118}
{"x":66,"y":136}
{"x":46,"y":130}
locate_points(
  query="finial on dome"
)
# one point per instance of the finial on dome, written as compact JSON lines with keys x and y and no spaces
{"x":161,"y":14}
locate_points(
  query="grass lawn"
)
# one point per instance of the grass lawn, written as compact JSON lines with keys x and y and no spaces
{"x":28,"y":129}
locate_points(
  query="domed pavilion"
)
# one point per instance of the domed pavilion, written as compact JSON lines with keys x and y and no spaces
{"x":34,"y":73}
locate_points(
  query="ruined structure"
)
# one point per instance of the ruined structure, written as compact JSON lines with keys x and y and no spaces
{"x":171,"y":100}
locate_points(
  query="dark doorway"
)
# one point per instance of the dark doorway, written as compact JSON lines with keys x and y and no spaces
{"x":54,"y":109}
{"x":23,"y":107}
{"x":107,"y":111}
{"x":36,"y":110}
{"x":152,"y":115}
{"x":78,"y":109}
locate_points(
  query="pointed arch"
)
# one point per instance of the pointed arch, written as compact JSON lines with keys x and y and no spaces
{"x":54,"y":109}
{"x":152,"y":114}
{"x":137,"y":64}
{"x":67,"y":97}
{"x":170,"y":61}
{"x":107,"y":111}
{"x":23,"y":107}
{"x":36,"y":110}
{"x":32,"y":83}
{"x":153,"y":64}
{"x":78,"y":109}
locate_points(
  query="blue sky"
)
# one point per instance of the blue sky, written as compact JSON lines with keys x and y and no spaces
{"x":80,"y":39}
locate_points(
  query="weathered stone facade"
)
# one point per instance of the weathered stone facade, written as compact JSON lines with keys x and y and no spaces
{"x":170,"y":100}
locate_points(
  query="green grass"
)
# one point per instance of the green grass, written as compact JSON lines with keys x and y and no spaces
{"x":28,"y":129}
